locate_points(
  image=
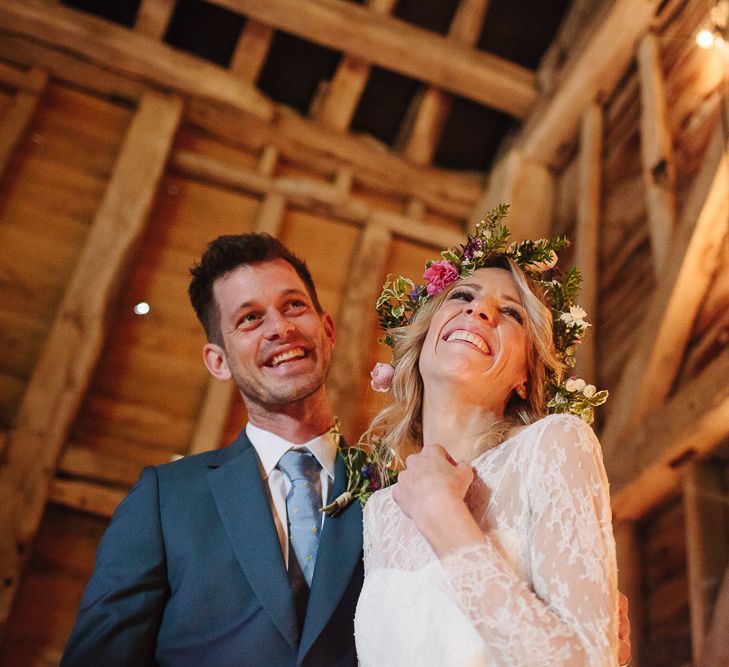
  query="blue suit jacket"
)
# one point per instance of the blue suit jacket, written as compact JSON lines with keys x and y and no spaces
{"x":190,"y":572}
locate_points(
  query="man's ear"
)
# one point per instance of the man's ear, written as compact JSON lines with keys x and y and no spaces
{"x":328,"y":323}
{"x":216,"y":362}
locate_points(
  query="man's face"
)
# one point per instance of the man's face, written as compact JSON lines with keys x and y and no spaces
{"x":276,"y":346}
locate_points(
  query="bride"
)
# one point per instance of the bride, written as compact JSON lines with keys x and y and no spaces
{"x":495,"y":547}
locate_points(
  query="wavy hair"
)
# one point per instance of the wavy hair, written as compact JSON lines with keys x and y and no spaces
{"x":398,"y":427}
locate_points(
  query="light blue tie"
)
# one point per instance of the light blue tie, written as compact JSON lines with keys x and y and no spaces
{"x":302,"y":506}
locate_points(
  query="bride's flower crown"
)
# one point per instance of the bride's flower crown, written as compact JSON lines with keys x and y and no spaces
{"x":401,"y":298}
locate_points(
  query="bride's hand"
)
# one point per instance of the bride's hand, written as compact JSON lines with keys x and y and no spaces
{"x":430,"y":491}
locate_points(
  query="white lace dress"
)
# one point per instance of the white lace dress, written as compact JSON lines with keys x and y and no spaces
{"x":540,"y":590}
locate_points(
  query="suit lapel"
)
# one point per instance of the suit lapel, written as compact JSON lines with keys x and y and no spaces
{"x":246,"y":514}
{"x":339,"y":553}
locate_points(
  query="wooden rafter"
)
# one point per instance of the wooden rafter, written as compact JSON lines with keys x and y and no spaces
{"x":337,"y":106}
{"x":251,"y":50}
{"x":71,"y":349}
{"x":656,"y":152}
{"x":17,"y":117}
{"x":90,"y":497}
{"x":298,"y":139}
{"x":589,"y":176}
{"x":153,"y":17}
{"x":131,"y":54}
{"x":650,"y":464}
{"x":661,"y":341}
{"x":593,"y":69}
{"x":432,"y":107}
{"x":399,"y":46}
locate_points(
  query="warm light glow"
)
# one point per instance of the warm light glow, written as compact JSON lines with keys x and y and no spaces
{"x":705,"y":39}
{"x":142,"y":308}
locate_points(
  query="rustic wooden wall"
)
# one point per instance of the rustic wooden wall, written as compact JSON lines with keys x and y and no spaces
{"x":624,"y":150}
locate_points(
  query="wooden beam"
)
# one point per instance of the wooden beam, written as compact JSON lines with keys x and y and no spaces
{"x":707,"y":546}
{"x":399,"y":46}
{"x":18,"y":115}
{"x":592,"y":71}
{"x":299,"y":140}
{"x":134,"y":55}
{"x":432,"y":108}
{"x":652,"y":459}
{"x":528,"y":187}
{"x":666,"y":329}
{"x":337,"y":106}
{"x":716,"y":653}
{"x":251,"y":50}
{"x":90,"y":497}
{"x":153,"y":17}
{"x":656,"y":152}
{"x":348,"y":367}
{"x":630,"y":583}
{"x":589,"y":179}
{"x":67,"y":360}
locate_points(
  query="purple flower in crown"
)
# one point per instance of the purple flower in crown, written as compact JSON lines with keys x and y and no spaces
{"x":439,"y":275}
{"x":415,"y":293}
{"x":367,"y":471}
{"x":473,"y":246}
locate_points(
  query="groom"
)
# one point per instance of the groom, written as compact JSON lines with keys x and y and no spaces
{"x":223,"y":558}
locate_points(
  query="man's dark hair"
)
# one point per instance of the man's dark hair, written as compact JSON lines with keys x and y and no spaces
{"x":225,"y":254}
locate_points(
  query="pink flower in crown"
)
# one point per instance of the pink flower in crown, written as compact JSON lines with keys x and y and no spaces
{"x":439,"y":275}
{"x":381,"y":376}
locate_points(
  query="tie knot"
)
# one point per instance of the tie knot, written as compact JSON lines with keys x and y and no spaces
{"x":300,"y":464}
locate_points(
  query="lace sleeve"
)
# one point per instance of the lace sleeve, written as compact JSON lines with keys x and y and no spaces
{"x":567,"y":614}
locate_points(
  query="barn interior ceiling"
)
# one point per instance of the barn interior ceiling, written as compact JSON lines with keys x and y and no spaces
{"x":297,"y":71}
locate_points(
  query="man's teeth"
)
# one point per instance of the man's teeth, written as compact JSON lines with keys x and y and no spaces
{"x":469,"y":338}
{"x":286,"y":356}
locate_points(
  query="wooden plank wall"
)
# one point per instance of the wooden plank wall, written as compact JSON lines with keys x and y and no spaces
{"x":643,"y":177}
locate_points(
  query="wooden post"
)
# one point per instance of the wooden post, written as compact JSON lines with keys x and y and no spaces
{"x":662,"y":339}
{"x":589,"y":175}
{"x":716,"y":651}
{"x":18,"y":115}
{"x":656,"y":152}
{"x":71,"y":349}
{"x":630,"y":582}
{"x":349,"y":361}
{"x":528,"y":187}
{"x":707,"y":546}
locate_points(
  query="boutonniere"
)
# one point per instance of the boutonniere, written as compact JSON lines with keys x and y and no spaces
{"x":367,"y":471}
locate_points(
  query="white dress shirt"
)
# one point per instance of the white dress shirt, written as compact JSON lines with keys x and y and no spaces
{"x":270,"y":448}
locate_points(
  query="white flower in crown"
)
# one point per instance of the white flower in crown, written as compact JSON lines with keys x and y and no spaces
{"x":575,"y":317}
{"x":589,"y":391}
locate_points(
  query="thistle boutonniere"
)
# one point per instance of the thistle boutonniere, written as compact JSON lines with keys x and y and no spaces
{"x":366,"y":473}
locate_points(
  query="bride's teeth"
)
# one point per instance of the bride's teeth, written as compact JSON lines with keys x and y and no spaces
{"x":469,"y":338}
{"x":285,"y":356}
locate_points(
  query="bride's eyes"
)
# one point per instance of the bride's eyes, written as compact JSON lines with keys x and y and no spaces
{"x":513,"y":312}
{"x":460,"y":295}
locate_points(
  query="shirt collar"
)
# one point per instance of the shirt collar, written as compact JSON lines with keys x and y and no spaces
{"x":271,"y":447}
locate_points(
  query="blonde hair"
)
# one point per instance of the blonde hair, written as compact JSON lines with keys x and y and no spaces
{"x":397,"y":429}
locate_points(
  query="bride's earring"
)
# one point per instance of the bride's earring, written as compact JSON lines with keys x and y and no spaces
{"x":521,"y":391}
